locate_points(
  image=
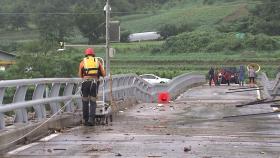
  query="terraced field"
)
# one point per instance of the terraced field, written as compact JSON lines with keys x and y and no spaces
{"x":137,"y":59}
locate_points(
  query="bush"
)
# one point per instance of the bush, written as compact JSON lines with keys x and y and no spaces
{"x":216,"y":46}
{"x":156,"y":50}
{"x":215,"y":41}
{"x":189,"y":42}
{"x":234,"y":44}
{"x":168,"y":30}
{"x":2,"y":75}
{"x":261,"y":42}
{"x":208,"y":2}
{"x":124,"y":36}
{"x":9,"y":46}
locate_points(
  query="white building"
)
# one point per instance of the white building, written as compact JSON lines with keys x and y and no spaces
{"x":6,"y":59}
{"x":144,"y":36}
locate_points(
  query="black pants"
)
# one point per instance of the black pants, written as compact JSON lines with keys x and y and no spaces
{"x":89,"y":93}
{"x":210,"y":80}
{"x":228,"y":82}
{"x":251,"y":79}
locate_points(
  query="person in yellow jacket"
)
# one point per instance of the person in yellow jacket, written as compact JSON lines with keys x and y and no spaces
{"x":90,"y":70}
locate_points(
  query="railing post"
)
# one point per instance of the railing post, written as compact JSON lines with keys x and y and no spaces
{"x":106,"y":89}
{"x":2,"y":118}
{"x":21,"y":114}
{"x":138,"y":92}
{"x":54,"y":93}
{"x":131,"y":83}
{"x":38,"y":93}
{"x":68,"y":91}
{"x":78,"y":92}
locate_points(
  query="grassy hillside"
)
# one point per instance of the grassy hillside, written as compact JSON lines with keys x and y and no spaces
{"x":205,"y":16}
{"x":173,"y":12}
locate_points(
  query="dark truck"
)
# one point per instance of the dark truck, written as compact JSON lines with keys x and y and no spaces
{"x":227,"y":72}
{"x":233,"y":73}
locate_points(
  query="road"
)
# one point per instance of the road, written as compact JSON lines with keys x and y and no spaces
{"x":192,"y":126}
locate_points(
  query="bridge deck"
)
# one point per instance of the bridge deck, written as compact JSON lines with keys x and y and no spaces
{"x":191,"y":126}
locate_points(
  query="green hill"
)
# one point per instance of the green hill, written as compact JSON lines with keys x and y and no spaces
{"x":190,"y":12}
{"x":196,"y":12}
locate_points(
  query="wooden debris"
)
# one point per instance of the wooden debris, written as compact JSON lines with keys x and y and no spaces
{"x":246,"y":90}
{"x":262,"y":101}
{"x":187,"y":149}
{"x":118,"y":154}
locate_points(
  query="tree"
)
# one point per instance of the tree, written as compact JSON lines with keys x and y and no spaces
{"x":18,"y":20}
{"x":125,"y":36}
{"x":267,"y":17}
{"x":53,"y":22}
{"x":168,"y":30}
{"x":34,"y":65}
{"x":92,"y":24}
{"x":2,"y":18}
{"x":14,"y":20}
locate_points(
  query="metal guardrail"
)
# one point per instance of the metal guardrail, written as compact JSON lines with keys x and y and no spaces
{"x":271,"y":88}
{"x":66,"y":91}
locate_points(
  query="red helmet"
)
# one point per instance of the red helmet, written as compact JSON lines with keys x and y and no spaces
{"x":89,"y":51}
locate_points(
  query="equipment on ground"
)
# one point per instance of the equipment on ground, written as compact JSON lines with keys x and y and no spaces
{"x":103,"y":113}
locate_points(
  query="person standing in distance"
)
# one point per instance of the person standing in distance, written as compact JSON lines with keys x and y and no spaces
{"x":90,"y":70}
{"x":211,"y":74}
{"x":241,"y":75}
{"x":251,"y":75}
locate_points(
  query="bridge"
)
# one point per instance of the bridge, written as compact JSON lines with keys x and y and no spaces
{"x":199,"y":122}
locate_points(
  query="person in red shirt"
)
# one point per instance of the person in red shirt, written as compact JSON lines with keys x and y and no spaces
{"x":90,"y":70}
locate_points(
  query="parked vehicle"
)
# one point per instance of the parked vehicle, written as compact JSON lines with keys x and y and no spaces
{"x":153,"y":79}
{"x":233,"y":73}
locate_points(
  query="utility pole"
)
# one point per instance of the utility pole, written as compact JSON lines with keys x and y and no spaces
{"x":107,"y":37}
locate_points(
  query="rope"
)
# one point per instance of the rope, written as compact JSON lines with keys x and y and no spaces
{"x":112,"y":102}
{"x":33,"y":130}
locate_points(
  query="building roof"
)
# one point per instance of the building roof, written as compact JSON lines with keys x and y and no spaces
{"x":7,"y":58}
{"x":6,"y":53}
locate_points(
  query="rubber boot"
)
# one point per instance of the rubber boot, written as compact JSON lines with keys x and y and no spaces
{"x":92,"y":112}
{"x":86,"y":112}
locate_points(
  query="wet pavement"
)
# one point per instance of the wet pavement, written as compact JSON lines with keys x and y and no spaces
{"x":193,"y":126}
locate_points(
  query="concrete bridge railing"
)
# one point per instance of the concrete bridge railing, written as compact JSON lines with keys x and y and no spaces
{"x":46,"y":96}
{"x":271,"y":88}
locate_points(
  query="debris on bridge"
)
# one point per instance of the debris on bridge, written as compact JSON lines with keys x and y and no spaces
{"x":187,"y":149}
{"x":245,"y":90}
{"x":262,"y":101}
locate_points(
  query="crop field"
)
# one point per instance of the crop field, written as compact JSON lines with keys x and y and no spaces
{"x":137,"y":58}
{"x":205,"y":16}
